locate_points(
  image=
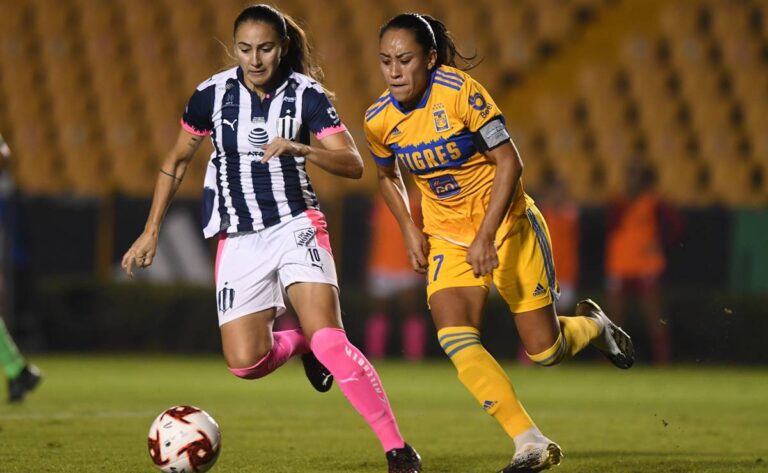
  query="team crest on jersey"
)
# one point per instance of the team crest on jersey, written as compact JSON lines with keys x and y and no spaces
{"x":288,"y":128}
{"x":441,"y":118}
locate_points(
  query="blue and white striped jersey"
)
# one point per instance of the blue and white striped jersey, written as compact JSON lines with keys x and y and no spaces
{"x":242,"y":194}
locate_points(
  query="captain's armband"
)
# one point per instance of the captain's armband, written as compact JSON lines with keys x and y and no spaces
{"x":491,"y":135}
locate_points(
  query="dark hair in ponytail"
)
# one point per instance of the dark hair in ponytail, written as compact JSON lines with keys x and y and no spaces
{"x":431,"y":33}
{"x":299,"y":56}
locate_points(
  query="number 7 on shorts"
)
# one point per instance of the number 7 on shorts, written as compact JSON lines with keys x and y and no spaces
{"x":439,"y":259}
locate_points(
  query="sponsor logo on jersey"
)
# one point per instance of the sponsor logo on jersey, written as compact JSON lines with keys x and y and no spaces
{"x":258,"y":137}
{"x":478,"y":102}
{"x":444,"y":186}
{"x":305,"y":237}
{"x":332,"y":113}
{"x":230,"y":124}
{"x":540,"y":290}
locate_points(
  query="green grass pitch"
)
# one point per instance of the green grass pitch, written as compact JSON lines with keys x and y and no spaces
{"x":92,"y":414}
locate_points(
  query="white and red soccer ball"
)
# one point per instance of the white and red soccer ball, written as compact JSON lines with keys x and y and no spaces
{"x":184,"y":439}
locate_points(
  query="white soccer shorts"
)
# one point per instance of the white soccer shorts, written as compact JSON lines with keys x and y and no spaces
{"x":253,"y":268}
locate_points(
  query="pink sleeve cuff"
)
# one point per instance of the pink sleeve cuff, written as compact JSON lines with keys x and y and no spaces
{"x":330,"y":131}
{"x":190,"y":129}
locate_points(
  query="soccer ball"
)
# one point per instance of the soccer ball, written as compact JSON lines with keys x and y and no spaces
{"x":184,"y":439}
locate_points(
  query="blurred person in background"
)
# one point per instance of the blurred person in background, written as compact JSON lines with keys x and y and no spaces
{"x":479,"y":225}
{"x":22,"y":376}
{"x":260,"y":204}
{"x":639,"y":226}
{"x":393,"y":285}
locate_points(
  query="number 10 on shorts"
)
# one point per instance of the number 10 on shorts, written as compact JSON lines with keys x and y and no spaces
{"x":439,"y":260}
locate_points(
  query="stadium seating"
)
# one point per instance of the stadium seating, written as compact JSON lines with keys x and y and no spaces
{"x":687,"y":94}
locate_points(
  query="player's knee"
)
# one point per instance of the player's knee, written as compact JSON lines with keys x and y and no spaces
{"x":248,"y":364}
{"x":549,"y":355}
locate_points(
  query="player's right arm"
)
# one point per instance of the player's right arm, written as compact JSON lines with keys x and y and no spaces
{"x":395,"y":195}
{"x":169,"y":179}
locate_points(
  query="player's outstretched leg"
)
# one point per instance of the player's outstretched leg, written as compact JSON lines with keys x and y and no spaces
{"x":318,"y":375}
{"x":25,"y":382}
{"x":613,"y":342}
{"x":404,"y":460}
{"x":362,"y":386}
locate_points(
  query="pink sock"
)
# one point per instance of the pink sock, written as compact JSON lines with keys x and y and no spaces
{"x":414,"y":337}
{"x":359,"y":382}
{"x":285,"y":344}
{"x":376,"y":335}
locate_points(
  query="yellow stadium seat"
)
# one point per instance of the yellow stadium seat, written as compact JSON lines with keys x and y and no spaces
{"x":750,"y":84}
{"x":733,"y":182}
{"x":82,"y":156}
{"x":718,"y":144}
{"x":680,"y":18}
{"x":729,"y":18}
{"x":700,"y":82}
{"x":681,"y":182}
{"x":666,"y":144}
{"x":740,"y":50}
{"x":36,"y":160}
{"x":690,"y":51}
{"x":554,"y":20}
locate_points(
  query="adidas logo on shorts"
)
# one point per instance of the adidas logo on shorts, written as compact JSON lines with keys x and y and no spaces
{"x":539,"y":290}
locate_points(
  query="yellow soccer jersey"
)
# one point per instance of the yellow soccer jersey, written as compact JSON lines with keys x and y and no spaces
{"x":434,"y":141}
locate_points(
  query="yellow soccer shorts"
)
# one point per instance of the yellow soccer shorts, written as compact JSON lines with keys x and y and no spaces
{"x":525,"y":277}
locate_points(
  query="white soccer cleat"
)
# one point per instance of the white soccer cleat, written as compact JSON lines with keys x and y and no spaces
{"x":613,"y":342}
{"x":533,"y":457}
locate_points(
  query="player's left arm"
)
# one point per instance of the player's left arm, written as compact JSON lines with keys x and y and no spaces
{"x":482,"y":254}
{"x":338,"y":154}
{"x":482,"y":117}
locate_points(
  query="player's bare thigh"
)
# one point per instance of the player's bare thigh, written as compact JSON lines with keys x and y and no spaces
{"x":316,"y":305}
{"x":247,"y":339}
{"x":458,"y":307}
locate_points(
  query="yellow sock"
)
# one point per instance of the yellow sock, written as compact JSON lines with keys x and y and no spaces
{"x":552,"y":355}
{"x":480,"y":373}
{"x":575,"y":334}
{"x":579,"y":332}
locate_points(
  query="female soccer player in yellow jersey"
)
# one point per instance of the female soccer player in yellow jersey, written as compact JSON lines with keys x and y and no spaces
{"x":479,"y":225}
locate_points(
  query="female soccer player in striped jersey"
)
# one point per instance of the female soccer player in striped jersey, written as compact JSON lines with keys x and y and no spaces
{"x":260,"y":204}
{"x":440,"y":124}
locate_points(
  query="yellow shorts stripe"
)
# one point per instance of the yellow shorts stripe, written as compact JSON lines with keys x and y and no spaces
{"x":546,"y":251}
